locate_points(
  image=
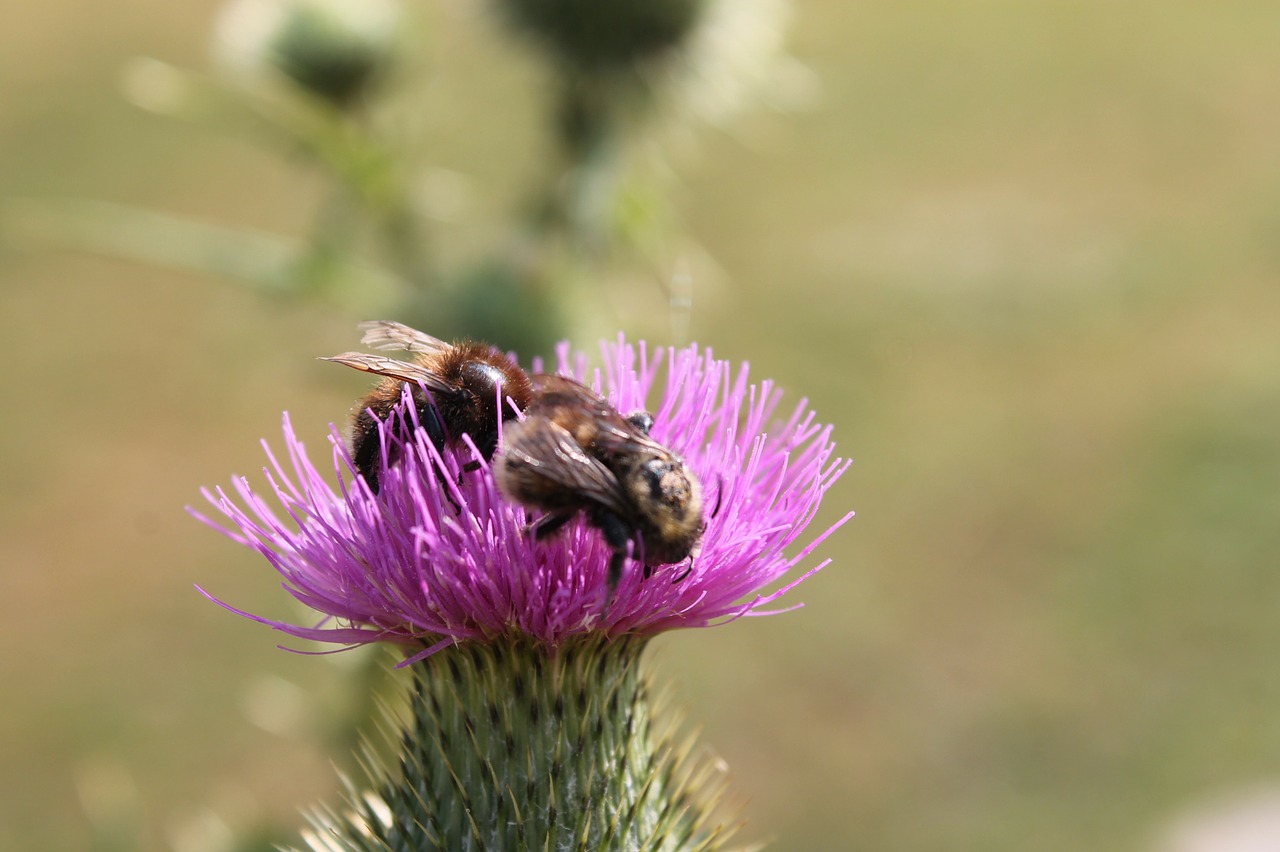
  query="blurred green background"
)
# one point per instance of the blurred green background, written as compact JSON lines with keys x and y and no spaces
{"x":1026,"y":258}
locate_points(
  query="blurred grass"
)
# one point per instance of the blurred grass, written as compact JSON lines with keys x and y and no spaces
{"x":1024,"y":257}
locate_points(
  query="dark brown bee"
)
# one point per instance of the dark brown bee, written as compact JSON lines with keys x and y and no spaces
{"x":461,"y":382}
{"x":574,"y":453}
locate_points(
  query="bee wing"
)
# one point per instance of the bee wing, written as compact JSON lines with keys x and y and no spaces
{"x":385,"y":334}
{"x":614,"y":432}
{"x":550,"y":450}
{"x":619,"y":435}
{"x":563,"y":392}
{"x":381,"y":365}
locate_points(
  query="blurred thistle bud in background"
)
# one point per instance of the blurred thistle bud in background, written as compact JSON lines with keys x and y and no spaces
{"x":334,"y":49}
{"x":593,"y":37}
{"x":630,"y":77}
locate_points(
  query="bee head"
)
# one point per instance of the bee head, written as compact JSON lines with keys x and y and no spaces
{"x":668,"y":499}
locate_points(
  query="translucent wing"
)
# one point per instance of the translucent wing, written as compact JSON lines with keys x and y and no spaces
{"x":385,"y":334}
{"x":614,"y":434}
{"x":561,"y":391}
{"x":545,"y":449}
{"x":381,"y":365}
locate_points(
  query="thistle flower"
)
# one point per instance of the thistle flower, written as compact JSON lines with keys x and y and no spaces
{"x":439,"y":557}
{"x":499,"y":627}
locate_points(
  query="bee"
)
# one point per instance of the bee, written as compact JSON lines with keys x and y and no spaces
{"x":575,"y":454}
{"x":454,"y":386}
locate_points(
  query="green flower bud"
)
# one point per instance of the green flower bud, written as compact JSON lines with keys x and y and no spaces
{"x":334,"y":49}
{"x":593,"y":35}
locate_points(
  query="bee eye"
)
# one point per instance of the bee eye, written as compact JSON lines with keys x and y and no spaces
{"x":642,"y":420}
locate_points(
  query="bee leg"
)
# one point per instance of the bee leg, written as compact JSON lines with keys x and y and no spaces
{"x":685,"y":573}
{"x":642,"y":420}
{"x":616,"y":562}
{"x":470,"y":467}
{"x":640,"y":557}
{"x":366,"y":448}
{"x":719,"y":495}
{"x":443,"y":478}
{"x":486,"y":449}
{"x":617,"y":535}
{"x":448,"y":495}
{"x":433,"y":424}
{"x":548,"y":525}
{"x":429,"y":419}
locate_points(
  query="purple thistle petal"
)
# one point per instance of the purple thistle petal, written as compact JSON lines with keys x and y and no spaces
{"x":438,"y":556}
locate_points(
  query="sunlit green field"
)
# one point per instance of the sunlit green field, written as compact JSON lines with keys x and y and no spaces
{"x":1026,"y":257}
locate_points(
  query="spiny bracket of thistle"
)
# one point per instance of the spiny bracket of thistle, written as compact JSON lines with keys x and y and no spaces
{"x":510,"y":747}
